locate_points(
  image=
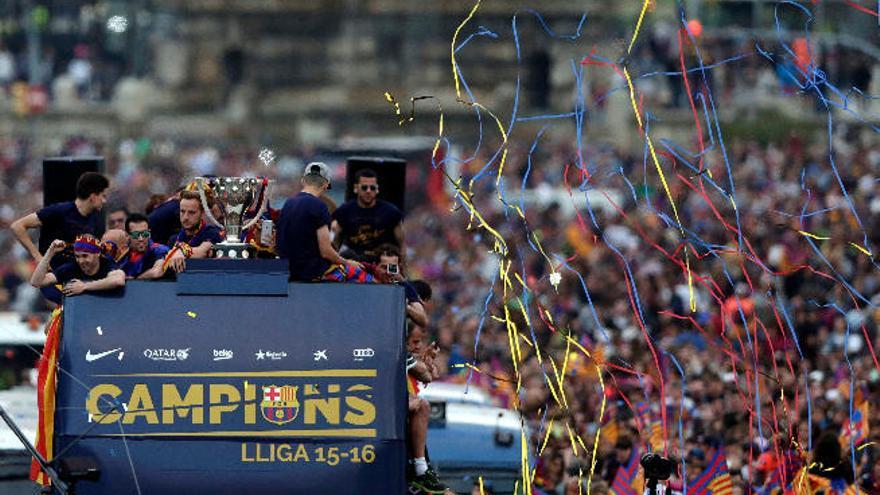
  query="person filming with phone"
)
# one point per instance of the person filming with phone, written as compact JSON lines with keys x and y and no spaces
{"x":388,"y":271}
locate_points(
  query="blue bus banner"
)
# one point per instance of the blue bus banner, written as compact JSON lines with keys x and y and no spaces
{"x":300,"y":393}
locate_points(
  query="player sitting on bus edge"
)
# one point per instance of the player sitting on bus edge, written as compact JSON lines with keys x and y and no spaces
{"x":303,"y":236}
{"x":420,"y":369}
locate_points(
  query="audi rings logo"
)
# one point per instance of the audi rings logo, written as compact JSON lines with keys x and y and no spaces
{"x":361,"y":354}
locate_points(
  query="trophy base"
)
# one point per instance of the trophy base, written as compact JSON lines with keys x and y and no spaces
{"x":231,"y":251}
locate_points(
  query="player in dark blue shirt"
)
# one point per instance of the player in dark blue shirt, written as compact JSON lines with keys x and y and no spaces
{"x":145,"y":257}
{"x":66,"y":220}
{"x":196,"y":238}
{"x":92,"y":271}
{"x":164,"y":220}
{"x":115,"y":244}
{"x":366,"y":222}
{"x":303,"y":236}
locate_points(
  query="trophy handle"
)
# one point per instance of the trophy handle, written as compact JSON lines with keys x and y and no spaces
{"x":205,"y":206}
{"x":260,"y":212}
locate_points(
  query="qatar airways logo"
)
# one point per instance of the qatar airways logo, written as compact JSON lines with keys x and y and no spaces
{"x":160,"y":354}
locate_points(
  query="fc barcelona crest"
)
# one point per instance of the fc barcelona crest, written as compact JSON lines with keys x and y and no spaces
{"x":279,"y":404}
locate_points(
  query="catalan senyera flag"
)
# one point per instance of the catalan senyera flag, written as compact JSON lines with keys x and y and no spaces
{"x":610,"y":431}
{"x":629,"y":479}
{"x":650,"y":425}
{"x":806,"y":483}
{"x":715,"y":480}
{"x":46,"y":396}
{"x":855,"y":429}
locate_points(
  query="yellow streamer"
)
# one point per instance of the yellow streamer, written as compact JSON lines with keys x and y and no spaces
{"x":632,"y":98}
{"x":814,"y":236}
{"x":452,"y":50}
{"x":862,"y":249}
{"x":546,"y":436}
{"x":638,"y":26}
{"x":598,"y":431}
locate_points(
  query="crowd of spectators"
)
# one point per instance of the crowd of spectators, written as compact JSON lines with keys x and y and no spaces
{"x":796,"y":307}
{"x":803,"y":326}
{"x":740,"y":75}
{"x":81,"y":75}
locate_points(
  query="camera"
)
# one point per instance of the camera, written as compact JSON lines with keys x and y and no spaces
{"x":393,"y":269}
{"x":657,"y":466}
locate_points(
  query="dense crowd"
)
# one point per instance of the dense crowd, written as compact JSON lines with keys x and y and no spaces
{"x":775,"y":315}
{"x":740,"y":74}
{"x":804,"y":324}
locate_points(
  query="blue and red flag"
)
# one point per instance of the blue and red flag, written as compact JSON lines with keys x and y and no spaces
{"x":715,"y":479}
{"x":855,"y":429}
{"x":628,"y":480}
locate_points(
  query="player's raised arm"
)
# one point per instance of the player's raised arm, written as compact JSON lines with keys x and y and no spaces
{"x":41,"y":276}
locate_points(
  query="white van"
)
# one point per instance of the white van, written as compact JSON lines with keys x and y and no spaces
{"x":469,"y":437}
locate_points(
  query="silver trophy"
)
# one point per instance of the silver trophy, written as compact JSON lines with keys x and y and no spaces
{"x":236,"y":196}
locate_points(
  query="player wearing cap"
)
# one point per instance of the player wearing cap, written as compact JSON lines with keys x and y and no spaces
{"x":92,"y":271}
{"x":303,"y":236}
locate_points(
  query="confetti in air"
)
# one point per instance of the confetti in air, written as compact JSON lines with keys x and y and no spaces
{"x":687,"y":222}
{"x":267,"y":156}
{"x":686,"y":254}
{"x":117,"y":24}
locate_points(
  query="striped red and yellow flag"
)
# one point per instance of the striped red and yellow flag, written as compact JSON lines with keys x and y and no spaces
{"x":288,"y":393}
{"x":721,"y":485}
{"x":656,"y":437}
{"x":806,"y":483}
{"x":46,"y":396}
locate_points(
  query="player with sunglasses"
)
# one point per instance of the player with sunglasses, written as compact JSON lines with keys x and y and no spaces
{"x":145,"y":257}
{"x":366,"y":222}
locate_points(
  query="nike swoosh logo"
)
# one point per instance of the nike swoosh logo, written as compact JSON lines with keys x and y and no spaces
{"x":93,"y":357}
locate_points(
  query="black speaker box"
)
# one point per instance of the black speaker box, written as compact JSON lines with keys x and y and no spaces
{"x":391,"y":174}
{"x":61,"y":173}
